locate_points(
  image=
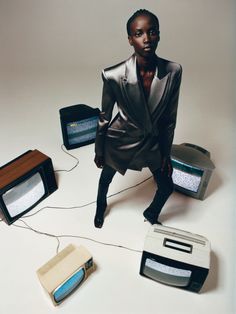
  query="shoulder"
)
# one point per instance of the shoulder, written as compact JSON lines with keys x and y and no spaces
{"x":168,"y":66}
{"x":114,"y":72}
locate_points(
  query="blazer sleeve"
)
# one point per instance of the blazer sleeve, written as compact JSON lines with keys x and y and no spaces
{"x":168,"y":119}
{"x":105,"y":116}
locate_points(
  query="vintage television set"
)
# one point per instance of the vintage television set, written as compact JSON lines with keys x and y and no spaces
{"x":24,"y":182}
{"x":78,"y":125}
{"x":176,"y":258}
{"x":192,"y":169}
{"x":65,"y":272}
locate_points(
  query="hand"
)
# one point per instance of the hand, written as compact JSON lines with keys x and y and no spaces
{"x":166,"y":166}
{"x":99,"y":161}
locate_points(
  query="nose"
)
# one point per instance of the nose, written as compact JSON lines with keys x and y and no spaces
{"x":146,"y":38}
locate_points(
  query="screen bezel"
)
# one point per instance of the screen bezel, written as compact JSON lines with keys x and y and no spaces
{"x":196,"y":280}
{"x":75,"y":288}
{"x":203,"y":182}
{"x":74,"y":114}
{"x":20,"y":179}
{"x":191,"y":170}
{"x":83,"y":143}
{"x":195,"y":156}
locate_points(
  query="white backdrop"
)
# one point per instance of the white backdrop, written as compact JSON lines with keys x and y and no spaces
{"x":51,"y":55}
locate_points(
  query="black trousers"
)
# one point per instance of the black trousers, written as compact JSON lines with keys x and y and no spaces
{"x":163,"y":181}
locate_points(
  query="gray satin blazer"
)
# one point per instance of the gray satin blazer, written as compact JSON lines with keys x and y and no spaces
{"x":142,"y":131}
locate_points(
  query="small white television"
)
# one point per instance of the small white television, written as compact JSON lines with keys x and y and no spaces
{"x":65,"y":272}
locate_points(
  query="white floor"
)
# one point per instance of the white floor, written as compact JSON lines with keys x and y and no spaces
{"x":116,"y":286}
{"x":30,"y":99}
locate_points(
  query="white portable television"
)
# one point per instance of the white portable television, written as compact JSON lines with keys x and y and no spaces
{"x":176,"y":257}
{"x":65,"y":272}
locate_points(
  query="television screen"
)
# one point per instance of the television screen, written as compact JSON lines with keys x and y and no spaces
{"x":186,"y":176}
{"x":24,"y":182}
{"x":24,"y":195}
{"x":192,"y":169}
{"x":69,"y":286}
{"x":167,"y":274}
{"x":82,"y":131}
{"x":78,"y":125}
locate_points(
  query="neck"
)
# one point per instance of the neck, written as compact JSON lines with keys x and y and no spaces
{"x":146,"y":64}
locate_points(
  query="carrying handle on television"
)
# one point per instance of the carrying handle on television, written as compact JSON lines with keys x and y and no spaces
{"x":177,"y":245}
{"x":199,"y":148}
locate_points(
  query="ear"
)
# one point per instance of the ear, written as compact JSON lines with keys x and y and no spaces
{"x":130,"y":40}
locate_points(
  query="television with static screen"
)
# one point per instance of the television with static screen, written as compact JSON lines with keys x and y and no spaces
{"x":24,"y":182}
{"x":64,"y":273}
{"x":192,"y":169}
{"x":176,"y":258}
{"x":78,"y":125}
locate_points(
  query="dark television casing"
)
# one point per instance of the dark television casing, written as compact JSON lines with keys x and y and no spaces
{"x":78,"y":125}
{"x":192,"y":169}
{"x":19,"y":177}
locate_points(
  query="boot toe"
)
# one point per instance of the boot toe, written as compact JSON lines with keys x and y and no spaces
{"x":98,"y":221}
{"x":149,"y":214}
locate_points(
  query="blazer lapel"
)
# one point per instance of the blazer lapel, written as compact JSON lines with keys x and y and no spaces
{"x":137,"y":105}
{"x":158,"y":87}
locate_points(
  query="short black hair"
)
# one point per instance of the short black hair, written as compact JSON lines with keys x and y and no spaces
{"x":139,"y":13}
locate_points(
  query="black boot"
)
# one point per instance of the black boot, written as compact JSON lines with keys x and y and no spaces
{"x":99,"y":216}
{"x":151,"y":215}
{"x":104,"y":182}
{"x":101,"y":205}
{"x":165,"y":188}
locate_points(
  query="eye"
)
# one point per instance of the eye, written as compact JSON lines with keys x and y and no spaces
{"x":153,"y":32}
{"x":138,"y":34}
